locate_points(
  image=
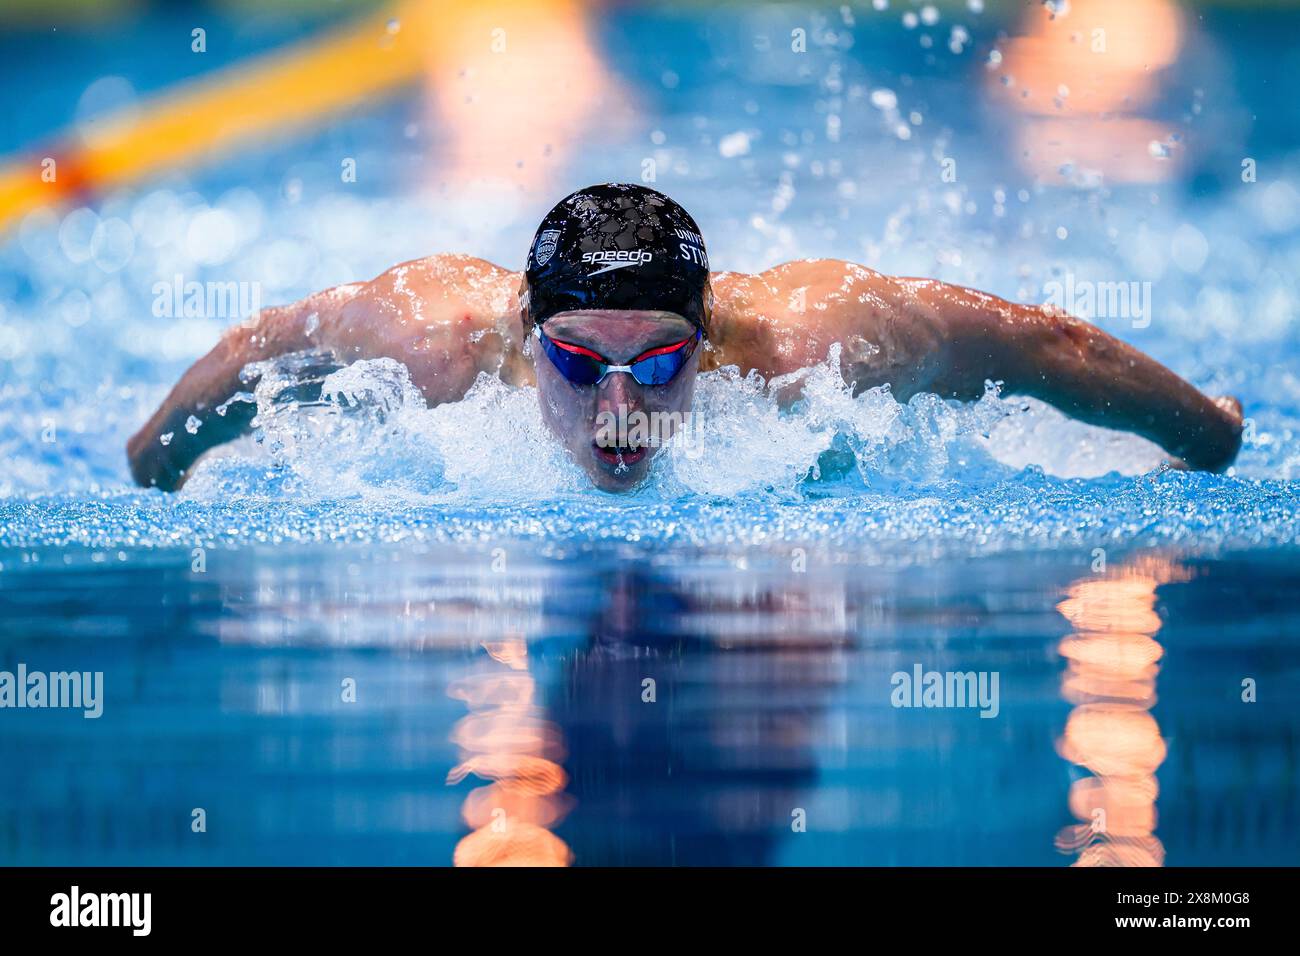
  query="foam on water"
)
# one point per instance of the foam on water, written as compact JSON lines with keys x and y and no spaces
{"x":367,"y":461}
{"x":371,"y":436}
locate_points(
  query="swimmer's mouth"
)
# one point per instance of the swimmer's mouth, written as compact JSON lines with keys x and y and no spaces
{"x":615,"y":455}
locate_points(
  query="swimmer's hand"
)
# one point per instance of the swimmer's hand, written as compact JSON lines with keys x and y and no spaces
{"x":1230,"y":407}
{"x":1223,"y":437}
{"x":1230,"y":404}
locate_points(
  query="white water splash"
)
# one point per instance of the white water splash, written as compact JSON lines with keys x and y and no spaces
{"x":365,"y":430}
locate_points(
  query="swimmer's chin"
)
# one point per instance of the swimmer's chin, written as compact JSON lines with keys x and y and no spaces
{"x":618,"y":471}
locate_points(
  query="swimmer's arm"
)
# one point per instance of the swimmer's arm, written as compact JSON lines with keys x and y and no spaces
{"x":446,"y":317}
{"x":1073,"y":365}
{"x":212,"y":380}
{"x":919,"y":335}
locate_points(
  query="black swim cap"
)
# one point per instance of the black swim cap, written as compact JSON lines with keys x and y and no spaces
{"x":618,"y":246}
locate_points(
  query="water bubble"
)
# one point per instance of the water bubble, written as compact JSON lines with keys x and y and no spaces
{"x":1279,"y":207}
{"x":74,"y":308}
{"x":1189,"y":248}
{"x":734,"y":144}
{"x":287,"y":262}
{"x":39,"y":234}
{"x":76,"y":234}
{"x":192,"y":425}
{"x":166,"y":438}
{"x":212,"y":237}
{"x":13,"y":339}
{"x":112,"y":245}
{"x":158,"y":218}
{"x":246,"y":212}
{"x":109,"y":97}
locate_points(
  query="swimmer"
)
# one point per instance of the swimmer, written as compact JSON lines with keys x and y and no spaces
{"x":623,"y":312}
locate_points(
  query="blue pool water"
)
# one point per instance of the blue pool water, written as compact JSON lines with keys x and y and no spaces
{"x":223,"y":692}
{"x":389,"y":634}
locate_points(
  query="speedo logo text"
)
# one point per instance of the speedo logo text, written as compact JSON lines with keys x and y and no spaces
{"x":617,"y":259}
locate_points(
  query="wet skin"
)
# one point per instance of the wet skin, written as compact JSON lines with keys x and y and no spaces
{"x":575,"y":413}
{"x":450,"y":318}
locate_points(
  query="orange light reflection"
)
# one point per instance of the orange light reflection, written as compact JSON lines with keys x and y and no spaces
{"x":1113,"y":661}
{"x":506,"y":740}
{"x":514,"y":83}
{"x":1080,"y":82}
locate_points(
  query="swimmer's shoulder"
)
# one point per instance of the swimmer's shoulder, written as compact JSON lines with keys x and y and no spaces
{"x":821,"y":274}
{"x":752,"y":315}
{"x":442,"y":286}
{"x":785,"y":317}
{"x":737,"y":298}
{"x":741,"y":297}
{"x":814,"y":272}
{"x":447,"y":274}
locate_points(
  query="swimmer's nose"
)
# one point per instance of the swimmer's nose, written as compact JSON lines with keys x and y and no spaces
{"x":618,"y":390}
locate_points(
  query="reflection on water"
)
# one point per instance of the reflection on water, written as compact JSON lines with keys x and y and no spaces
{"x":507,"y":740}
{"x":630,"y":706}
{"x":693,"y":705}
{"x":685,"y":707}
{"x":1113,"y":660}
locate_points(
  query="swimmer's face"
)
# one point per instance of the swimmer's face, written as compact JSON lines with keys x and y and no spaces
{"x":585,"y":418}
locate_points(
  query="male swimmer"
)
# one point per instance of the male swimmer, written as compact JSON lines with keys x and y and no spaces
{"x":618,"y":296}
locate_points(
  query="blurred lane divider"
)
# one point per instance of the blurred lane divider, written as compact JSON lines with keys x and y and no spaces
{"x":288,"y":88}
